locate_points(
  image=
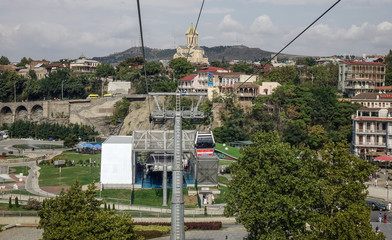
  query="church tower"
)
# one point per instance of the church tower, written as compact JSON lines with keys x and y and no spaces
{"x":191,"y":33}
{"x":191,"y":51}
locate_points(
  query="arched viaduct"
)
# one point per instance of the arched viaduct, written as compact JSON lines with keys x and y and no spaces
{"x":68,"y":111}
{"x":32,"y":111}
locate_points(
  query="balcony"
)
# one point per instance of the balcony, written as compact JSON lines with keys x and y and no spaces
{"x":370,"y":144}
{"x":371,"y":131}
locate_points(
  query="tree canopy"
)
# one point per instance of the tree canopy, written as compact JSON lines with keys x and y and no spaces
{"x":388,"y":65}
{"x":4,"y":60}
{"x":181,"y":67}
{"x":76,"y":214}
{"x":279,"y":191}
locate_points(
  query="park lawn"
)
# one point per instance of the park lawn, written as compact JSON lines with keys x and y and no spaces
{"x":223,"y":180}
{"x":21,"y":192}
{"x":77,"y":157}
{"x":232,"y":151}
{"x":49,"y":175}
{"x":24,"y":170}
{"x":220,"y":198}
{"x":5,"y":207}
{"x":226,"y":162}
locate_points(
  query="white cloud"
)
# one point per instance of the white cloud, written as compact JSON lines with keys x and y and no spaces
{"x":228,"y":24}
{"x":263,"y":24}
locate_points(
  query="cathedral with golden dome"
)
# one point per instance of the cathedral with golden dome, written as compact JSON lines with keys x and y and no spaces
{"x":191,"y":51}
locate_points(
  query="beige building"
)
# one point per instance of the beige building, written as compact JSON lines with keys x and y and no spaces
{"x":84,"y":65}
{"x":191,"y":51}
{"x":372,"y":125}
{"x":360,"y":77}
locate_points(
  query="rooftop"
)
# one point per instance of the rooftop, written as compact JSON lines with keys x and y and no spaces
{"x":118,"y":140}
{"x":362,"y":63}
{"x":188,"y":78}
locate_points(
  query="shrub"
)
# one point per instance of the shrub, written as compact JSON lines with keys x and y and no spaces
{"x":9,"y":202}
{"x":188,"y":225}
{"x":10,"y":152}
{"x":33,"y":204}
{"x":16,"y":202}
{"x":149,"y":234}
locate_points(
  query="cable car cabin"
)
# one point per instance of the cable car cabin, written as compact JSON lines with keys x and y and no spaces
{"x":204,"y":144}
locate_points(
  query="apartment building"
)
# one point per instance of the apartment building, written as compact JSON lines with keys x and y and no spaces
{"x":372,"y":125}
{"x":357,"y":77}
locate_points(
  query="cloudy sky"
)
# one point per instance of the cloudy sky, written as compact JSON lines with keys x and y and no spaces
{"x":55,"y":29}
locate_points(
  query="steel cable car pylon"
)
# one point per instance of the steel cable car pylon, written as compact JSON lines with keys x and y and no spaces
{"x":159,"y":116}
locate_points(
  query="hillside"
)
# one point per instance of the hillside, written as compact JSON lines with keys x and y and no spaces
{"x":226,"y":53}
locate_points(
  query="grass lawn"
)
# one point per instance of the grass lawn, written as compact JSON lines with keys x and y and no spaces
{"x":24,"y":170}
{"x":226,"y":162}
{"x":49,"y":175}
{"x":4,"y":207}
{"x":20,"y":192}
{"x":220,"y":198}
{"x":77,"y":157}
{"x":223,"y":180}
{"x":232,"y":151}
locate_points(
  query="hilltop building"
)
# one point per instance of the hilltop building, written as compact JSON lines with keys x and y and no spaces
{"x":191,"y":51}
{"x":84,"y":65}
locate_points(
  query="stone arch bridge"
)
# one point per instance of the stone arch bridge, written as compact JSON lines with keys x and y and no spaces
{"x":33,"y":111}
{"x":10,"y":112}
{"x":84,"y":111}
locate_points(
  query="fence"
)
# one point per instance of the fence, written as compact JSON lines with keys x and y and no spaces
{"x":122,"y":206}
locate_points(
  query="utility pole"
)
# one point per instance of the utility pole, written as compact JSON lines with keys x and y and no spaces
{"x":159,"y":116}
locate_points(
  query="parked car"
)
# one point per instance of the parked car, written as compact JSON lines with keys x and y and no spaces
{"x":376,"y":205}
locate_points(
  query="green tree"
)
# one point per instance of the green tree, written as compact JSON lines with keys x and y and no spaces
{"x":216,"y":63}
{"x":104,"y":70}
{"x":181,"y":67}
{"x":17,"y":202}
{"x":132,"y":61}
{"x":243,"y":67}
{"x":235,"y":124}
{"x":4,"y":60}
{"x":121,"y":110}
{"x":340,"y":208}
{"x":307,"y":61}
{"x":153,"y":68}
{"x":388,"y":65}
{"x":78,"y":216}
{"x":279,"y":191}
{"x":70,"y":141}
{"x":24,"y":61}
{"x":282,"y":75}
{"x":271,"y":190}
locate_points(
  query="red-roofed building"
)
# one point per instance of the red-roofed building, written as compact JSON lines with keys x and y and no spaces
{"x":186,"y":83}
{"x":358,"y":77}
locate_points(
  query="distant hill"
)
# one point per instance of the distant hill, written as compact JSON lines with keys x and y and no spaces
{"x":220,"y":53}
